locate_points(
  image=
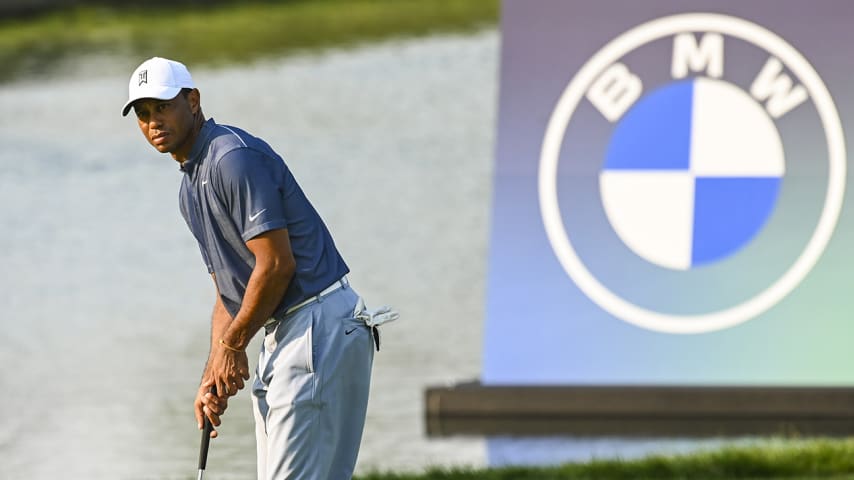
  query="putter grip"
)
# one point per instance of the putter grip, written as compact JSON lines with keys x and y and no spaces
{"x":206,"y":438}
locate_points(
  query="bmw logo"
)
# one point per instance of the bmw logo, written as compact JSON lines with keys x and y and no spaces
{"x":694,"y":165}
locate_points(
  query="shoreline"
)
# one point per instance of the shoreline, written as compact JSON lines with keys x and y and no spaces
{"x":224,"y":34}
{"x":770,"y":459}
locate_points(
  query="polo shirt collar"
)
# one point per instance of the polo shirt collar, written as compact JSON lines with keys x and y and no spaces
{"x":195,"y":158}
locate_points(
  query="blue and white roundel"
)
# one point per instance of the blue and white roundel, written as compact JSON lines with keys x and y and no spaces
{"x":691,"y":173}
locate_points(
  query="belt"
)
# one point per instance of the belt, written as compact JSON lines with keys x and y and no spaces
{"x":340,"y":283}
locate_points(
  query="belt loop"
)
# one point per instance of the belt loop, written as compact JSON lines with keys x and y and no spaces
{"x":270,"y":325}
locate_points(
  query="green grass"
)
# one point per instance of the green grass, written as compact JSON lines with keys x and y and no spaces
{"x":225,"y":33}
{"x":816,"y":459}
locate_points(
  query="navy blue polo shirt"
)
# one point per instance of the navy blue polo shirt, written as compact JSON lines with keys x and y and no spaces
{"x":235,"y":187}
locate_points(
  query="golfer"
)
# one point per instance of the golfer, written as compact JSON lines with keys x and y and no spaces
{"x":276,"y":268}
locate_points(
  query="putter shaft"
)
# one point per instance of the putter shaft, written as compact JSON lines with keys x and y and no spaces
{"x":206,"y":440}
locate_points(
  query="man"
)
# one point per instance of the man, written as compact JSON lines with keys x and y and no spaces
{"x":276,"y":267}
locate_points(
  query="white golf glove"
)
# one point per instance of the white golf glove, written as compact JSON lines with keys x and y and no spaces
{"x":379,"y":316}
{"x":374,"y":318}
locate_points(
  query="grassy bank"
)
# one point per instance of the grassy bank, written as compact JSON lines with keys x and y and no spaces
{"x":225,"y":33}
{"x":818,"y":459}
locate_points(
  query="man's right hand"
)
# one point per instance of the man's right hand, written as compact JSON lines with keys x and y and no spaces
{"x":210,"y":405}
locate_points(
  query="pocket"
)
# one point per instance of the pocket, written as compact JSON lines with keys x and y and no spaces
{"x":310,"y":347}
{"x":292,"y":380}
{"x":290,"y":345}
{"x":270,"y":341}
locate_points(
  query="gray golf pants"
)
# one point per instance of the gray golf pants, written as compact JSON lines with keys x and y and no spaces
{"x":310,"y":393}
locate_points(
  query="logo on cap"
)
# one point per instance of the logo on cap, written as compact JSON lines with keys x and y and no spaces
{"x":143,"y":77}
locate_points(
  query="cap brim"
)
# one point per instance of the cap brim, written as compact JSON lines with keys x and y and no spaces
{"x":159,"y":93}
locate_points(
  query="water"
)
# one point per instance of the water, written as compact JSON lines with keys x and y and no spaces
{"x":106,"y":301}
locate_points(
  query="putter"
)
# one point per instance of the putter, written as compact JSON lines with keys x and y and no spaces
{"x":206,"y":440}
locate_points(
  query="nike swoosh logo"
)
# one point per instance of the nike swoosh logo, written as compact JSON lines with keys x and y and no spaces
{"x":348,"y":332}
{"x":253,"y":217}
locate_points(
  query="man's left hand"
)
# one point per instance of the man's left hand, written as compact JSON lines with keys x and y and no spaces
{"x":227,"y":370}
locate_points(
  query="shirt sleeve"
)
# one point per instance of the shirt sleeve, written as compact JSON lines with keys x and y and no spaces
{"x":250,"y":186}
{"x":206,"y":259}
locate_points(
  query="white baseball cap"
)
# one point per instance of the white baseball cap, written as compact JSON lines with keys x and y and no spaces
{"x":158,"y":78}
